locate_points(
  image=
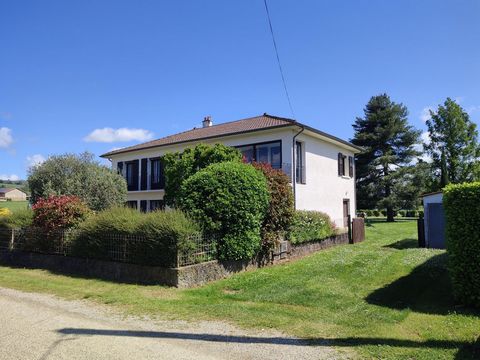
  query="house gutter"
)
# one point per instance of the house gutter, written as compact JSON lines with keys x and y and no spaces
{"x":294,"y":174}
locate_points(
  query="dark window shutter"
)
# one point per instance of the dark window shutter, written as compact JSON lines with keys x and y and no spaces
{"x":350,"y":166}
{"x":143,"y":205}
{"x":340,"y":164}
{"x":120,"y":167}
{"x":136,"y":164}
{"x":143,"y":178}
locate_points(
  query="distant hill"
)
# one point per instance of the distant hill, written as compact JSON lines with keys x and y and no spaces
{"x":16,"y":184}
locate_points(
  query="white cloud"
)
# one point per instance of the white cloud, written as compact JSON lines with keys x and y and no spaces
{"x":11,"y":177}
{"x":34,"y":160}
{"x":109,"y":135}
{"x":425,"y":114}
{"x":425,"y":137}
{"x":6,"y":138}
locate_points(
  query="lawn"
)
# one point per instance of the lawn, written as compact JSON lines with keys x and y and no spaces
{"x":383,"y":298}
{"x":14,"y":205}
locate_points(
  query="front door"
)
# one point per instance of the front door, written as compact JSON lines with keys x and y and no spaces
{"x":436,"y":226}
{"x":346,"y":211}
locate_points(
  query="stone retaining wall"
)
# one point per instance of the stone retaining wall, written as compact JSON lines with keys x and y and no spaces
{"x":183,"y":277}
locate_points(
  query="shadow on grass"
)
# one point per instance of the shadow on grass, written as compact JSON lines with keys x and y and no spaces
{"x":466,"y":350}
{"x":403,"y":244}
{"x":426,"y":289}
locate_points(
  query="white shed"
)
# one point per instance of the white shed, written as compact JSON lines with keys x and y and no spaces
{"x":434,"y":220}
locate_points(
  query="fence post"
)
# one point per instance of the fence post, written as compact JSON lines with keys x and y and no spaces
{"x":350,"y":240}
{"x":12,"y":241}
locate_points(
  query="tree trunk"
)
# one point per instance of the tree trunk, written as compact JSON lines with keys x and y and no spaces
{"x":390,"y":213}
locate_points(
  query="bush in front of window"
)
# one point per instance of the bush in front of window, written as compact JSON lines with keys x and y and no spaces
{"x":179,"y":166}
{"x":310,"y":226}
{"x":279,"y":216}
{"x":462,"y":214}
{"x":125,"y":234}
{"x":229,"y":200}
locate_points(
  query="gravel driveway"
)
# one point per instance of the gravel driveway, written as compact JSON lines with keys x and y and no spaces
{"x":37,"y":326}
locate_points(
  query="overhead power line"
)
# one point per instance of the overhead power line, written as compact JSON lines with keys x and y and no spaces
{"x":278,"y":59}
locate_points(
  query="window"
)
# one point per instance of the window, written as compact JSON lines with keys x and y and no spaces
{"x":341,"y":164}
{"x":131,"y":175}
{"x":299,"y":163}
{"x":157,"y":205}
{"x":132,"y":204}
{"x":157,"y":178}
{"x":268,"y":153}
{"x":143,"y":205}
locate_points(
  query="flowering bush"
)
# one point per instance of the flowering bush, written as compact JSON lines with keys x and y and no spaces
{"x":310,"y":226}
{"x":59,"y":212}
{"x":5,"y":212}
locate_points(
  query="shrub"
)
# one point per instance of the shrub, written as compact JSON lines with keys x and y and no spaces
{"x":178,"y":167}
{"x":310,"y":226}
{"x":59,"y":212}
{"x":383,"y":212}
{"x":149,"y":239}
{"x":21,"y":218}
{"x":462,"y":212}
{"x":376,"y":213}
{"x":80,"y":175}
{"x":229,"y":200}
{"x":5,"y":212}
{"x":420,"y":214}
{"x":279,"y":216}
{"x":369,"y":212}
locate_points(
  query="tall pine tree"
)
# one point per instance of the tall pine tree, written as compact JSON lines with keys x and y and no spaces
{"x":453,"y":145}
{"x":384,"y":170}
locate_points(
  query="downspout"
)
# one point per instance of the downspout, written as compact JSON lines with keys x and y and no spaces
{"x":294,"y":169}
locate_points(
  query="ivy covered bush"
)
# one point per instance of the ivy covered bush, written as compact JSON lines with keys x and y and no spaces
{"x":229,"y":200}
{"x":146,"y":238}
{"x":310,"y":226}
{"x":462,"y":212}
{"x":280,"y":212}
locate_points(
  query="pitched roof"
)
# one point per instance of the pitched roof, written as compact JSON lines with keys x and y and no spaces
{"x":262,"y":122}
{"x":6,"y":190}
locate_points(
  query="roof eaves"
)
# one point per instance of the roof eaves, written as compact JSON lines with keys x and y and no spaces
{"x":130,"y":149}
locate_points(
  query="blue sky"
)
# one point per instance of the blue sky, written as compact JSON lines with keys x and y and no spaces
{"x":153,"y":68}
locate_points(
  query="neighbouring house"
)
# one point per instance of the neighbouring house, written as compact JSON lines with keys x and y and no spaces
{"x":11,"y":194}
{"x":434,"y":220}
{"x":320,"y":166}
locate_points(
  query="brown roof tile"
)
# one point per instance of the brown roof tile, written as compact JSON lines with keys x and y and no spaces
{"x":256,"y":123}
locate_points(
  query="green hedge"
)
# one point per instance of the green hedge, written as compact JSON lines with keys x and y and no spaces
{"x":229,"y":200}
{"x":147,"y":239}
{"x":462,"y":212}
{"x":21,"y":218}
{"x":310,"y":226}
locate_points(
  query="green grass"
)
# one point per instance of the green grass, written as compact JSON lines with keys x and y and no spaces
{"x":14,"y":205}
{"x":383,"y":298}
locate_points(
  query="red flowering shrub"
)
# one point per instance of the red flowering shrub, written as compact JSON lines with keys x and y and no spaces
{"x":279,"y":216}
{"x":59,"y":212}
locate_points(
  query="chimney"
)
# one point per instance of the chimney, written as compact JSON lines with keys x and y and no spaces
{"x":207,"y":121}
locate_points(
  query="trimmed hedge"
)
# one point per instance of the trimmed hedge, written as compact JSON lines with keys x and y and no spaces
{"x":150,"y":239}
{"x":462,"y":212}
{"x":310,"y":226}
{"x":229,"y":200}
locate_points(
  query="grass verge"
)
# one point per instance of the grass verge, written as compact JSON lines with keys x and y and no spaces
{"x":383,"y":298}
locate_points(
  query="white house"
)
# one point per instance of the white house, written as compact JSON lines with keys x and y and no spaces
{"x":321,"y":165}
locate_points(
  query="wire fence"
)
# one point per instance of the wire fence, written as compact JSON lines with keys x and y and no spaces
{"x":119,"y":247}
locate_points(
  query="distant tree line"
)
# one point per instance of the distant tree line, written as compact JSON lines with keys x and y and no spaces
{"x":397,"y":165}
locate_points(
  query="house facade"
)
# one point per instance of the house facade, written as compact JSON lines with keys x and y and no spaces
{"x":320,"y":166}
{"x":12,"y":194}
